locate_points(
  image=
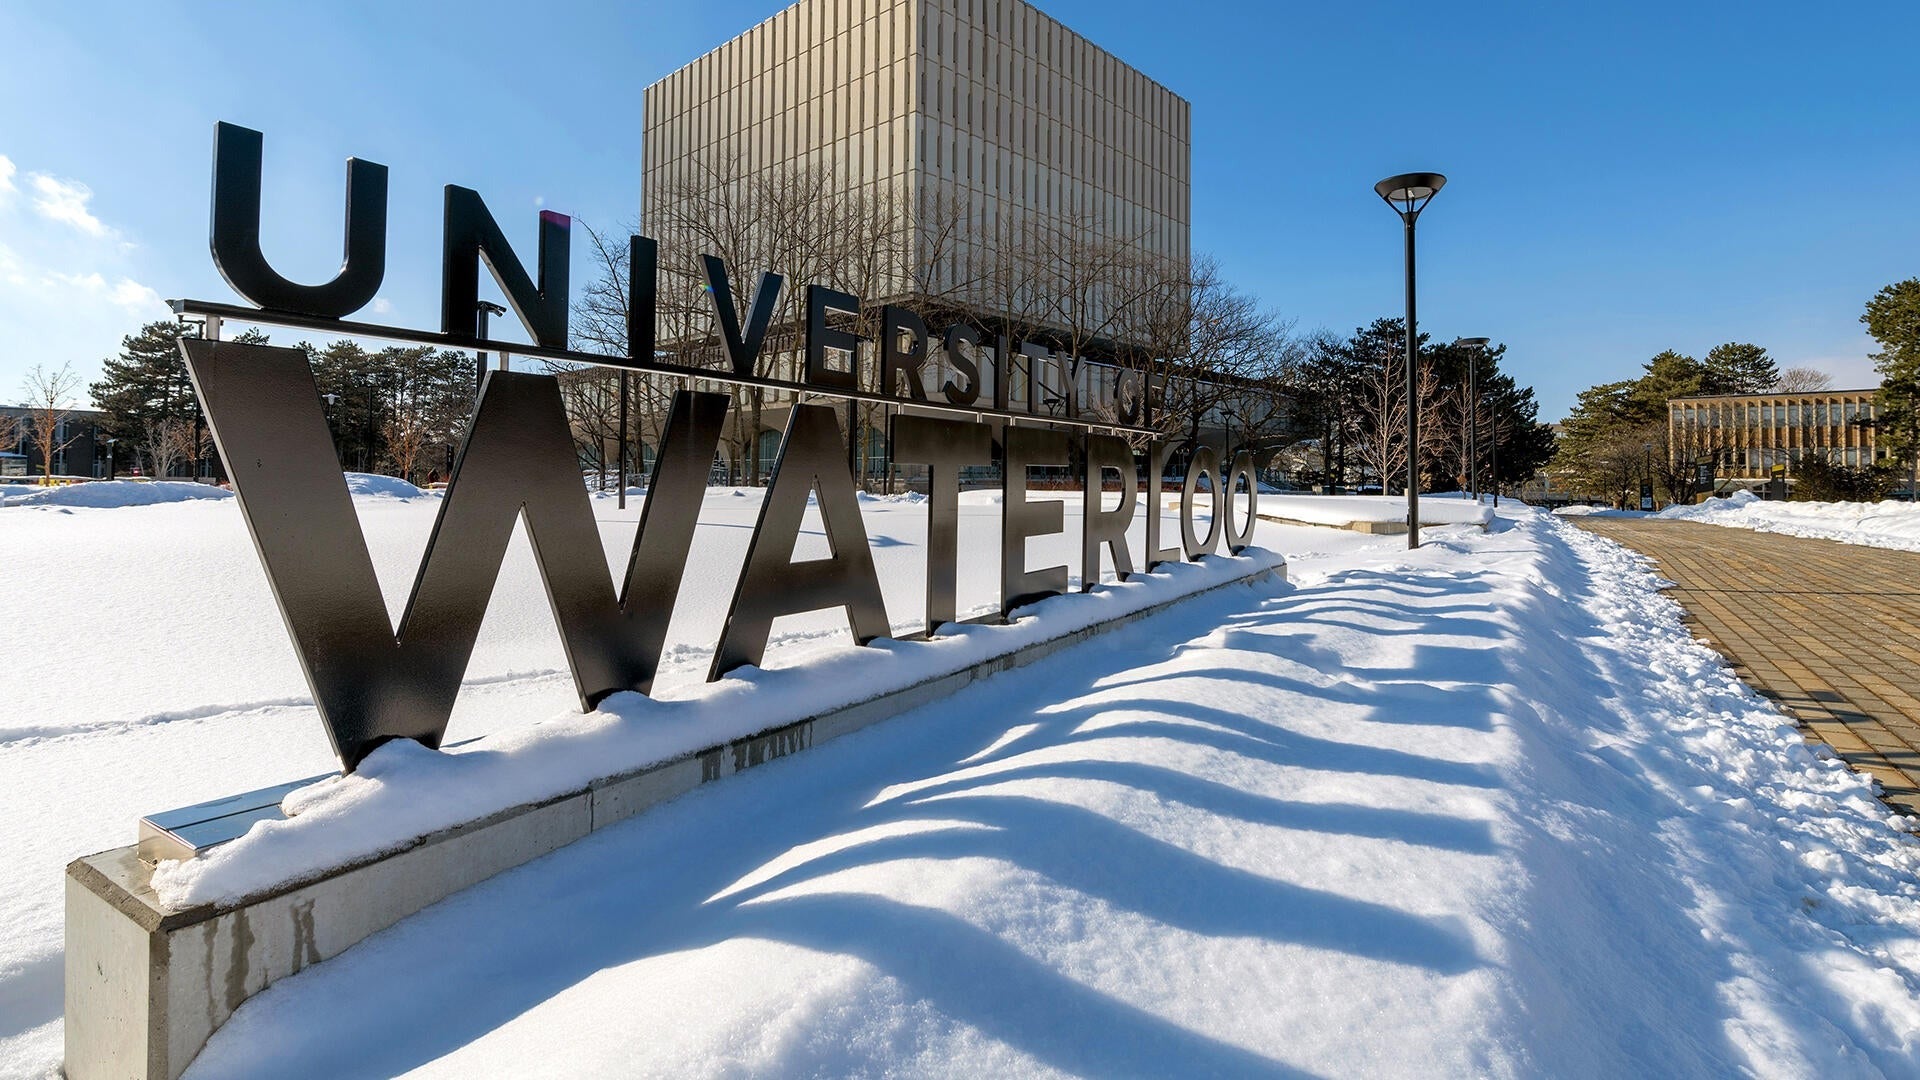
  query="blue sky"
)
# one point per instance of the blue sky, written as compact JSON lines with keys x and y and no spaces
{"x":1623,"y":178}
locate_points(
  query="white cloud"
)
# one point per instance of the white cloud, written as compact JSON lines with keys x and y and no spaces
{"x":125,"y":293}
{"x":134,"y":296}
{"x":381,"y":305}
{"x":69,"y":284}
{"x":65,"y":201}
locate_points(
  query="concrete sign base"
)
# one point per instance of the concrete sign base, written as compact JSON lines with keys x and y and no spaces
{"x":146,"y":988}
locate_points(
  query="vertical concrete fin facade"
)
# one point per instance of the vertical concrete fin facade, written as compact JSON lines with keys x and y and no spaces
{"x":989,"y":109}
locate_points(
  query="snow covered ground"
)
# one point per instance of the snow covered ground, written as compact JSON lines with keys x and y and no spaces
{"x":1883,"y":524}
{"x":1483,"y":808}
{"x":145,"y":668}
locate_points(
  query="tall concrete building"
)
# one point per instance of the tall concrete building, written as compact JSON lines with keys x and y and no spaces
{"x":984,"y":114}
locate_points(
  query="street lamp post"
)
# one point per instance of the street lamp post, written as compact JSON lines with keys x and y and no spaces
{"x":483,"y":309}
{"x":1473,"y":412}
{"x":110,"y":443}
{"x":1493,"y":454}
{"x":1408,"y":194}
{"x":332,"y":400}
{"x":622,"y":450}
{"x":1646,"y":495}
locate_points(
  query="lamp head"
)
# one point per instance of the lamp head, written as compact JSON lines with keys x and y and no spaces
{"x":1479,"y":341}
{"x":1409,"y":193}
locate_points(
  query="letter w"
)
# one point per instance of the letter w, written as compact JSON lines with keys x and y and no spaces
{"x":371,"y":684}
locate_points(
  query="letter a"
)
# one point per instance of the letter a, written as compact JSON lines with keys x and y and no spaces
{"x":773,"y":584}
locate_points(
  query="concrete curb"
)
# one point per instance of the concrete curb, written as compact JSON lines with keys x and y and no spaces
{"x":146,"y":988}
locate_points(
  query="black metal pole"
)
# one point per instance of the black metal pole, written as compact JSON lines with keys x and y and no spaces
{"x":623,"y":440}
{"x":1413,"y":404}
{"x":853,"y":440}
{"x":1473,"y":426}
{"x":1493,"y":452}
{"x":480,"y":363}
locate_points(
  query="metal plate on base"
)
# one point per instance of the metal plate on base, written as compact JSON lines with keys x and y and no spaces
{"x":190,"y":830}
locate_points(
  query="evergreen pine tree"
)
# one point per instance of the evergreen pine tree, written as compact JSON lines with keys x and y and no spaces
{"x":1668,"y":375}
{"x":146,"y":382}
{"x":1739,"y":368}
{"x":1893,"y":318}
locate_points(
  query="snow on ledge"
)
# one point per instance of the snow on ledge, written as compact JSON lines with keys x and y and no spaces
{"x":404,"y":792}
{"x":1345,"y":510}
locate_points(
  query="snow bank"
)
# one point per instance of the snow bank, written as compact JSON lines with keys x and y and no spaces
{"x":374,"y":485}
{"x":1578,"y":510}
{"x":1711,"y":508}
{"x":103,"y":494}
{"x":1343,"y":510}
{"x":1883,"y":524}
{"x":108,"y":494}
{"x":403,"y":792}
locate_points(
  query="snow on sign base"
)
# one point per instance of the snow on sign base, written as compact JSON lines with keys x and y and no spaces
{"x":158,"y":959}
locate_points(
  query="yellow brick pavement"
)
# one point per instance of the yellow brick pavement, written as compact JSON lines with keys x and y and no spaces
{"x":1829,"y":631}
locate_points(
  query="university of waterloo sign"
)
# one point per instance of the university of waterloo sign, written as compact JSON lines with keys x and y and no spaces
{"x":518,"y":461}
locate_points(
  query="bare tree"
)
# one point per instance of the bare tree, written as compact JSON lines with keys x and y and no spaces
{"x":599,"y":325}
{"x":407,"y":435}
{"x":1680,"y":446}
{"x":169,"y":440}
{"x":49,"y":401}
{"x":806,"y":225}
{"x":11,"y":430}
{"x":1801,"y":380}
{"x":1624,"y":461}
{"x":428,"y":403}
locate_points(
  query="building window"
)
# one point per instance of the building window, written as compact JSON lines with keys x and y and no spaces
{"x":766,"y":450}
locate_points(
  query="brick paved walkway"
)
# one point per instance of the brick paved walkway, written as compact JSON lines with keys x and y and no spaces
{"x":1829,"y":631}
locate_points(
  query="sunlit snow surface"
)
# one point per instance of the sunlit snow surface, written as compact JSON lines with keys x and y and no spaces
{"x":1480,"y":809}
{"x":1886,"y":524}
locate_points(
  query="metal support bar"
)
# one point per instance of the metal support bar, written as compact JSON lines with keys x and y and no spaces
{"x":206,"y":309}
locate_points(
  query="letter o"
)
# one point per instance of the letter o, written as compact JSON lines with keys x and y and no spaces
{"x":1206,"y":461}
{"x":1239,"y":540}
